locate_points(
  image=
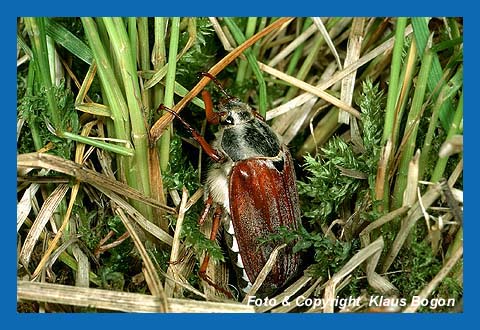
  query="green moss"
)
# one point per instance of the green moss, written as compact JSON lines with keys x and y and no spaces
{"x":33,"y":108}
{"x":201,"y":56}
{"x":180,"y":171}
{"x":328,"y":255}
{"x":195,"y":238}
{"x":335,"y":175}
{"x":417,"y":266}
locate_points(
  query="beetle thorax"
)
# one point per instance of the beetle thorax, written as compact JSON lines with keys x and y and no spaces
{"x":245,"y":138}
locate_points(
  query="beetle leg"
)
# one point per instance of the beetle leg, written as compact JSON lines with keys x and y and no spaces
{"x":182,"y":259}
{"x":212,"y":153}
{"x":202,"y":272}
{"x":208,"y":206}
{"x":212,"y":116}
{"x":216,"y":82}
{"x":258,"y":115}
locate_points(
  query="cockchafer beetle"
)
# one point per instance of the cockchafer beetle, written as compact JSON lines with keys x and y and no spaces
{"x":251,"y":185}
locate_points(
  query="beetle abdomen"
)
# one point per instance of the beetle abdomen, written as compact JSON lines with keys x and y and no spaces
{"x":262,"y":199}
{"x":244,"y":282}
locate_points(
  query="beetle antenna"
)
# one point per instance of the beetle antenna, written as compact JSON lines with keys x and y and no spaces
{"x":215,"y":80}
{"x":176,"y":115}
{"x":212,"y":153}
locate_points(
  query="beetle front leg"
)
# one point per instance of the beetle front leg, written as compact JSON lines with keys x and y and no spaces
{"x":212,"y":116}
{"x":207,"y":148}
{"x":202,"y":272}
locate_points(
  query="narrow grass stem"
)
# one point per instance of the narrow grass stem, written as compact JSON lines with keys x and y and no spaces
{"x":242,"y":66}
{"x":455,"y":128}
{"x":406,"y":77}
{"x":121,"y":46}
{"x":112,"y":90}
{"x":447,"y":91}
{"x":133,"y":37}
{"x":422,"y":32}
{"x":159,"y":56}
{"x":68,"y":40}
{"x":51,"y":60}
{"x":125,"y":151}
{"x":256,"y":47}
{"x":335,"y":26}
{"x":240,"y":38}
{"x":144,"y":60}
{"x":297,"y":53}
{"x":306,"y":66}
{"x":390,"y":108}
{"x":39,"y":47}
{"x":394,"y":78}
{"x":119,"y":126}
{"x":32,"y":124}
{"x":411,"y":129}
{"x":170,"y":88}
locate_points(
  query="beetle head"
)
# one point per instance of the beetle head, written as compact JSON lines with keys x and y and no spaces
{"x":232,"y":111}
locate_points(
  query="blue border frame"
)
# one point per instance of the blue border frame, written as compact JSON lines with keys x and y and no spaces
{"x":240,"y":8}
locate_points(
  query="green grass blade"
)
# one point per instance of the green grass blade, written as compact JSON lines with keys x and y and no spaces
{"x":125,"y":151}
{"x":455,"y":128}
{"x":33,"y":124}
{"x":411,"y":129}
{"x":21,"y":42}
{"x":170,"y":88}
{"x":39,"y":48}
{"x":133,"y":37}
{"x":121,"y":46}
{"x":112,"y":90}
{"x":295,"y":58}
{"x":144,"y":57}
{"x":448,"y":90}
{"x":242,"y":66}
{"x":421,"y":32}
{"x":394,"y":78}
{"x":68,"y":40}
{"x":240,"y":38}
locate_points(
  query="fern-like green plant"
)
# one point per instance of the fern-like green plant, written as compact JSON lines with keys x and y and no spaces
{"x":338,"y":173}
